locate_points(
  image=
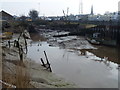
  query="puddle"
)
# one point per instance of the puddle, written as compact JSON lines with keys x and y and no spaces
{"x":86,"y":71}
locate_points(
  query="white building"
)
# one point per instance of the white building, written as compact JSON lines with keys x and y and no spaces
{"x":105,"y":17}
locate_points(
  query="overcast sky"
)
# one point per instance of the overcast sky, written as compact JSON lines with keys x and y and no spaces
{"x":56,"y":7}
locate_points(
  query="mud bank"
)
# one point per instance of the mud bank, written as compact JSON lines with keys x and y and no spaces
{"x":26,"y":74}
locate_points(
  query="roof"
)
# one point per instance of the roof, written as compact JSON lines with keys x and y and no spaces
{"x":5,"y":13}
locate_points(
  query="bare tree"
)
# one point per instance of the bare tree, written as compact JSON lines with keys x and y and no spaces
{"x":33,"y":14}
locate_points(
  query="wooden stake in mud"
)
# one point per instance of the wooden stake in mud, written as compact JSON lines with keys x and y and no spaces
{"x":46,"y":57}
{"x":25,"y":43}
{"x":21,"y":53}
{"x":26,"y":46}
{"x":43,"y":64}
{"x":15,"y":43}
{"x":9,"y":43}
{"x":19,"y":36}
{"x":48,"y":67}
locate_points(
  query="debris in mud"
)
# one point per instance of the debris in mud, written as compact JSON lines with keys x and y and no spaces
{"x":74,"y":42}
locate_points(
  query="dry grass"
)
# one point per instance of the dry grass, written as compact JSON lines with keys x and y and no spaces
{"x":20,"y":77}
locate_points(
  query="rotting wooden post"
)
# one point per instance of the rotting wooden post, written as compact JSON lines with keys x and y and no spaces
{"x":14,"y":43}
{"x":21,"y":53}
{"x":43,"y":64}
{"x":25,"y":43}
{"x":47,"y":62}
{"x":46,"y":57}
{"x":17,"y":44}
{"x":9,"y":43}
{"x":19,"y":36}
{"x":50,"y":68}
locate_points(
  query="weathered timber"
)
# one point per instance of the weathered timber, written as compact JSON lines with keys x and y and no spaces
{"x":43,"y":64}
{"x":48,"y":67}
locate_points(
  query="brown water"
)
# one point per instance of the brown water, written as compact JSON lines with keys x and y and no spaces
{"x":86,"y":71}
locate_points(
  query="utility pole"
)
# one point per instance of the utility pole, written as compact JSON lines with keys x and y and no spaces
{"x":67,"y":11}
{"x":92,"y":10}
{"x":64,"y":14}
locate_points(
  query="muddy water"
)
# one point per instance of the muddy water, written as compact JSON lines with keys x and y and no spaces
{"x":86,"y":71}
{"x":110,"y":52}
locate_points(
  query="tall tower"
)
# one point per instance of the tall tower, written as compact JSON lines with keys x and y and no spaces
{"x":80,"y":7}
{"x":39,"y":8}
{"x":119,"y":7}
{"x":92,"y":10}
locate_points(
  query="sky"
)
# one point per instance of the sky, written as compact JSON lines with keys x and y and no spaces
{"x":56,"y":7}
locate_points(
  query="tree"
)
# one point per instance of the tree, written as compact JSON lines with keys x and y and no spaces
{"x":33,"y":14}
{"x":23,"y":22}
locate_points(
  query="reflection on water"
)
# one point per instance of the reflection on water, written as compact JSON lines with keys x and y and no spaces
{"x":86,"y":70}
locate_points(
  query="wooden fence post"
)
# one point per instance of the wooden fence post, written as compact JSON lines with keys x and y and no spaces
{"x":47,"y":62}
{"x":46,"y":57}
{"x":43,"y":64}
{"x":9,"y":43}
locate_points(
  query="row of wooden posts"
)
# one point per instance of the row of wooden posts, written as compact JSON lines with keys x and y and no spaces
{"x":21,"y":52}
{"x":20,"y":47}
